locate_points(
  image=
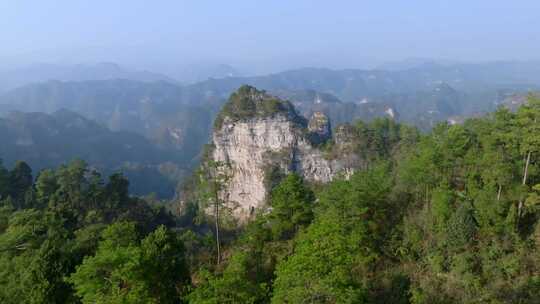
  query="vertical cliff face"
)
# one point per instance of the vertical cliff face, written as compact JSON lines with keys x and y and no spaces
{"x":257,"y":133}
{"x":250,"y":148}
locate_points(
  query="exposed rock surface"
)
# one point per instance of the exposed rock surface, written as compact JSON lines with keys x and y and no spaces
{"x":319,"y":125}
{"x":252,"y":145}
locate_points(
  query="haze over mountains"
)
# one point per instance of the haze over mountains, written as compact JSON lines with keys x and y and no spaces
{"x":166,"y":123}
{"x":270,"y":152}
{"x":15,"y":77}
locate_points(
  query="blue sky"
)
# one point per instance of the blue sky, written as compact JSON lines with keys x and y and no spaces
{"x":272,"y":33}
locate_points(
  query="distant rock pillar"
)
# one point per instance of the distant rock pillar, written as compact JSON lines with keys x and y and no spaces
{"x":319,"y":127}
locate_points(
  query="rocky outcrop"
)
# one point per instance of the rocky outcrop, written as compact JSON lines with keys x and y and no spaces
{"x":319,"y":127}
{"x":254,"y":145}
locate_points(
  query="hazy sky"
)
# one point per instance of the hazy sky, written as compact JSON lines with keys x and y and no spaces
{"x":266,"y":34}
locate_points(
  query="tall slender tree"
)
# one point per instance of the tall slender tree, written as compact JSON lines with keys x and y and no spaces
{"x":214,"y":177}
{"x":529,"y":124}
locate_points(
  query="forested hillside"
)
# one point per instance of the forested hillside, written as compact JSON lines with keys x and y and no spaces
{"x":47,"y":141}
{"x":449,"y":216}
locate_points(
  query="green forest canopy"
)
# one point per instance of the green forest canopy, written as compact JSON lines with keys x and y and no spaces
{"x":445,"y":217}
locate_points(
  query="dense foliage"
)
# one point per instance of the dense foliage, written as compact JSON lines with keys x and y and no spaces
{"x":70,"y":217}
{"x":445,"y":217}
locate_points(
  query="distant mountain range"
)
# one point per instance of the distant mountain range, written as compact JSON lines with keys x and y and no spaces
{"x":17,"y":77}
{"x":193,"y":73}
{"x":168,"y":123}
{"x":166,"y":113}
{"x":411,"y":63}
